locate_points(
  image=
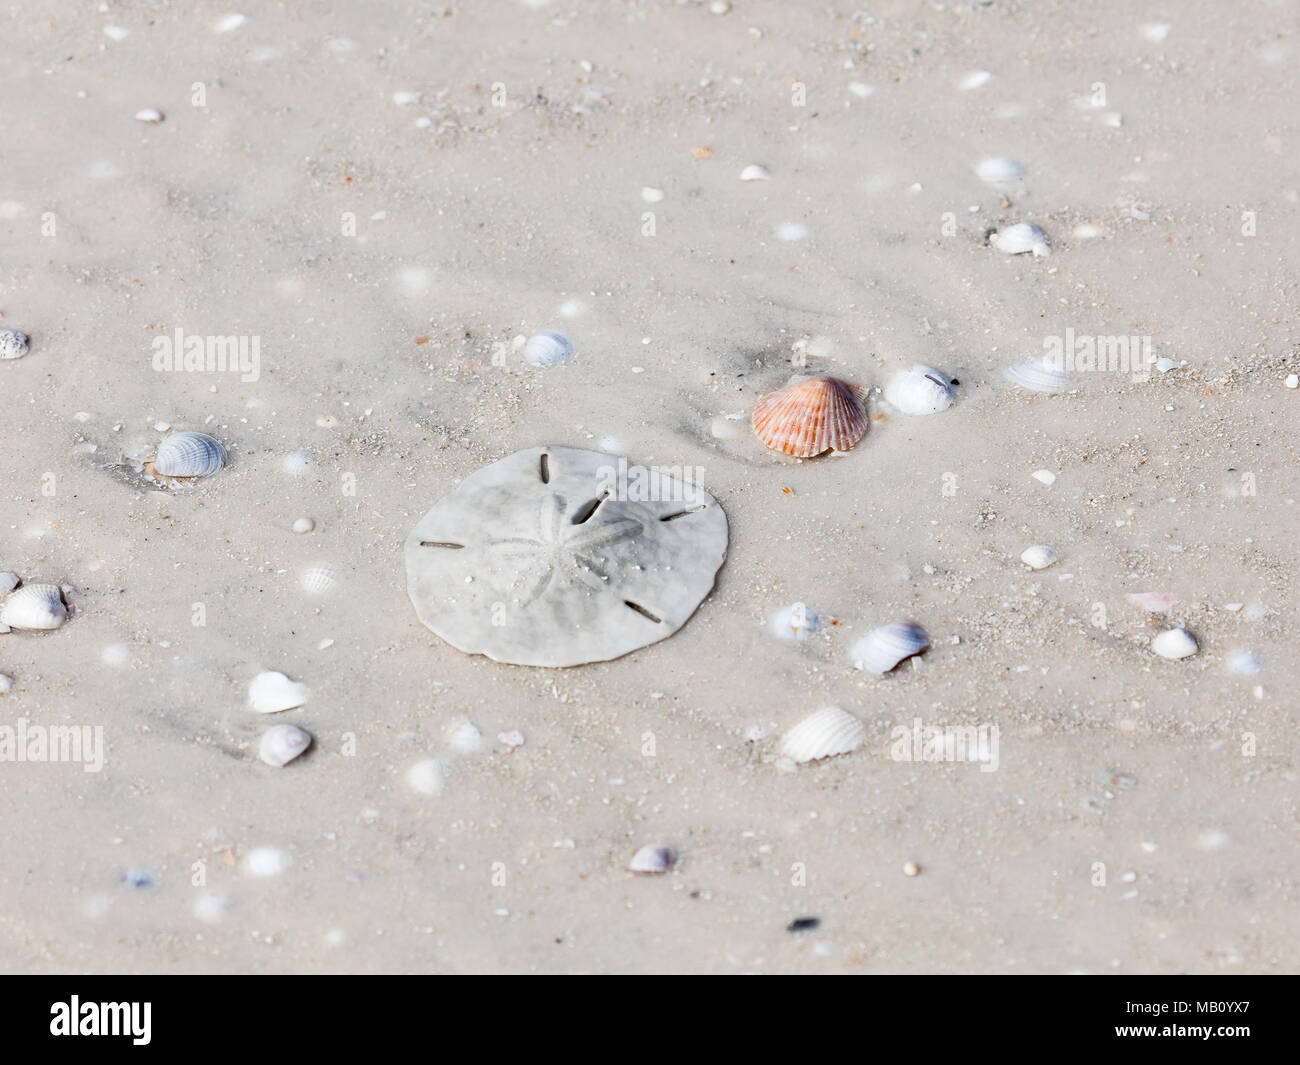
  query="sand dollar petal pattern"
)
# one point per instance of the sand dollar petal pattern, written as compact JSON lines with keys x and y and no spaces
{"x":550,"y":557}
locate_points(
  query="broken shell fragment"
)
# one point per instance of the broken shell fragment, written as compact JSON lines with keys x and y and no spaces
{"x":1175,"y":643}
{"x":920,"y":390}
{"x":794,"y":622}
{"x":281,"y":744}
{"x":35,"y":607}
{"x":189,"y":455}
{"x":824,"y":734}
{"x":1040,"y":556}
{"x":811,"y":415}
{"x":653,"y":858}
{"x":271,"y":692}
{"x":999,"y":170}
{"x":882,"y":649}
{"x":13,"y":344}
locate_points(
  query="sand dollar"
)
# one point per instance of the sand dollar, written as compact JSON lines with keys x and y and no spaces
{"x":556,"y":556}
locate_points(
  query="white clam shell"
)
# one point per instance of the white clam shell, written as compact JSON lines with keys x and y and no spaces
{"x":653,"y":858}
{"x":920,"y":390}
{"x":1039,"y":375}
{"x":1040,"y":556}
{"x":824,"y":734}
{"x":1175,"y":643}
{"x":999,"y":170}
{"x":794,"y":622}
{"x":281,"y":744}
{"x":266,"y":861}
{"x":425,"y":777}
{"x":37,"y":607}
{"x":754,"y":172}
{"x":189,"y":455}
{"x":13,"y":344}
{"x":271,"y":692}
{"x":547,"y":349}
{"x":318,"y":579}
{"x":1020,"y":238}
{"x":465,"y":738}
{"x":882,"y":649}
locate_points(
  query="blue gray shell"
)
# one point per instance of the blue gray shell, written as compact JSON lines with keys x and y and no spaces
{"x":189,"y":455}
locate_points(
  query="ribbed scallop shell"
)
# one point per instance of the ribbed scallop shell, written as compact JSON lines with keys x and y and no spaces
{"x":1039,"y":375}
{"x":826,"y":733}
{"x":35,"y":606}
{"x":189,"y":455}
{"x":920,"y":390}
{"x":882,"y":649}
{"x":811,"y":415}
{"x":281,"y":744}
{"x":547,"y":349}
{"x":318,"y":579}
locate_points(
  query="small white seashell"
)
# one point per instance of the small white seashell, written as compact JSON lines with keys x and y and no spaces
{"x":512,"y":739}
{"x":547,"y":349}
{"x":882,"y":649}
{"x":405,"y":98}
{"x":1040,"y":556}
{"x":1156,"y":32}
{"x":13,"y":344}
{"x":464,"y":738}
{"x":1175,"y":643}
{"x":188,"y":455}
{"x":999,"y":170}
{"x":1243,"y":663}
{"x":1020,"y":238}
{"x":281,"y":744}
{"x":653,"y":858}
{"x":303,"y":525}
{"x":297,"y":462}
{"x":318,"y":580}
{"x":149,"y":114}
{"x":1086,"y":231}
{"x":1045,"y":374}
{"x":652,"y":195}
{"x":911,"y":869}
{"x":754,"y":172}
{"x":1044,"y":477}
{"x":920,"y":390}
{"x":1292,"y":381}
{"x":824,"y":734}
{"x":36,"y":607}
{"x":6,"y":683}
{"x":974,"y":80}
{"x":271,"y":692}
{"x":8,"y":582}
{"x":1164,"y":365}
{"x":425,"y":777}
{"x":794,"y":622}
{"x":266,"y":861}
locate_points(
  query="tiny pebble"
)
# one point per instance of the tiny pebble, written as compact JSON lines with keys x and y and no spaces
{"x":911,"y":869}
{"x":149,"y":114}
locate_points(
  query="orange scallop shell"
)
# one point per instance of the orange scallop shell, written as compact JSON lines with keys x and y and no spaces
{"x":811,"y":415}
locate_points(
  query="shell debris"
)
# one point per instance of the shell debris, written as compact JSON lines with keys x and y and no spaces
{"x":13,"y":344}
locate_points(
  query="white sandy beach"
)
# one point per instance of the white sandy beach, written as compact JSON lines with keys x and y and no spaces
{"x":386,"y":196}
